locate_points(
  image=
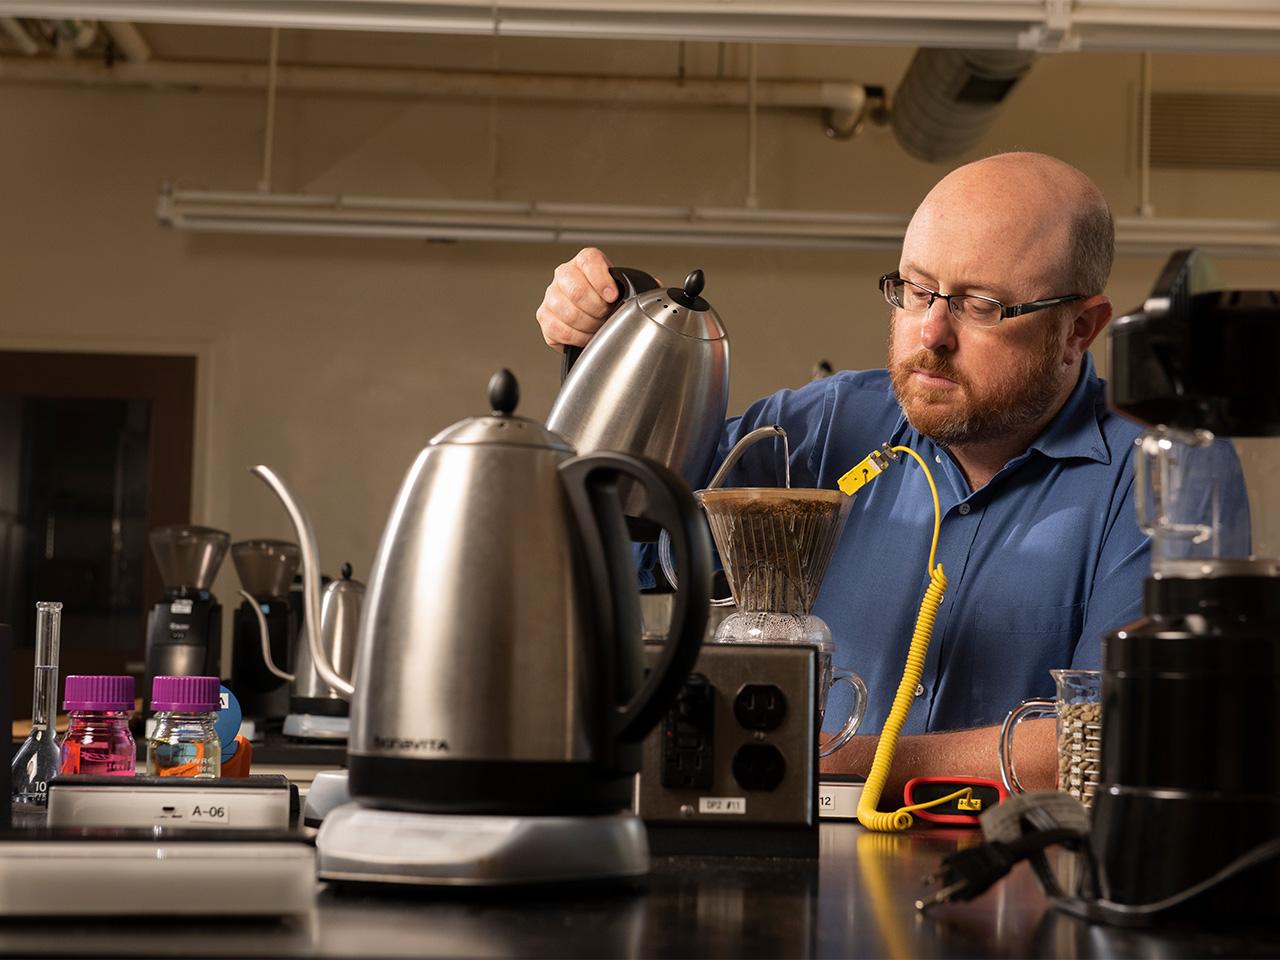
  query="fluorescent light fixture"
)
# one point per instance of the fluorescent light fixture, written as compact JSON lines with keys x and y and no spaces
{"x":1134,"y":25}
{"x":585,"y":223}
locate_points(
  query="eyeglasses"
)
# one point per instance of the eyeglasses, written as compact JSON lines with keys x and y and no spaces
{"x":965,"y":307}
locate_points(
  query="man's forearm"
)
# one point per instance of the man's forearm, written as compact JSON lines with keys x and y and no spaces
{"x":970,"y":753}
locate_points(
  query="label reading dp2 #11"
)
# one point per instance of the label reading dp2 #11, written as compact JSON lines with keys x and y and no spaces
{"x":722,"y":805}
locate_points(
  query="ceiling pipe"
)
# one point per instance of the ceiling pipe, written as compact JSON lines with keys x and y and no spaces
{"x":595,"y":223}
{"x":129,"y":41}
{"x":1044,"y":25}
{"x":843,"y":100}
{"x":18,"y":34}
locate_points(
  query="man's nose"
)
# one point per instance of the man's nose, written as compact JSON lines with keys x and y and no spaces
{"x":938,"y":326}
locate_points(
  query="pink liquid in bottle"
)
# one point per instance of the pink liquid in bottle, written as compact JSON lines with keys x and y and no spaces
{"x":98,"y":741}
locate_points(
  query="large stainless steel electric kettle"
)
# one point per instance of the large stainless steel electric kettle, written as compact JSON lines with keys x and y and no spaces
{"x":653,"y":382}
{"x":499,"y":667}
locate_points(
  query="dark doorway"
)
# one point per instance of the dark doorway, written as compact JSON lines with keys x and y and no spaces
{"x":95,"y":449}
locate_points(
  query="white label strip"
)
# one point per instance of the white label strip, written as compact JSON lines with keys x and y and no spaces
{"x":838,"y":801}
{"x":722,"y":805}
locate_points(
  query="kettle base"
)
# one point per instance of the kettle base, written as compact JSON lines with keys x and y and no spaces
{"x":501,"y":788}
{"x":366,"y":845}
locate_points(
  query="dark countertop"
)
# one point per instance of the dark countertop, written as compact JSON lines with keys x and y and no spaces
{"x":855,"y":900}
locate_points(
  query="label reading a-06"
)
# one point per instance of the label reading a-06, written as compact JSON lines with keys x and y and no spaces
{"x":722,"y":805}
{"x":216,"y":814}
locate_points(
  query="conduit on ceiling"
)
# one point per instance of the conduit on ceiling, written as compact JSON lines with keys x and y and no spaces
{"x":1043,"y":25}
{"x":842,"y":103}
{"x":582,"y":223}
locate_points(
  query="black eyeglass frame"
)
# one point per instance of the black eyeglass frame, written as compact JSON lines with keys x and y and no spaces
{"x":1006,"y":313}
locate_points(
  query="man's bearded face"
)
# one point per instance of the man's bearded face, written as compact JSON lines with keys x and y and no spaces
{"x":1003,"y":386}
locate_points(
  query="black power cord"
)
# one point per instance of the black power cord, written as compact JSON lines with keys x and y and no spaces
{"x":969,"y":873}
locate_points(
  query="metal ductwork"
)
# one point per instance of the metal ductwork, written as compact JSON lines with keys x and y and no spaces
{"x":948,"y":98}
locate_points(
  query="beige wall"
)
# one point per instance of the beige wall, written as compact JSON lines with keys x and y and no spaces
{"x":334,"y":361}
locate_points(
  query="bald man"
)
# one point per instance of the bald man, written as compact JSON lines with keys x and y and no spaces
{"x":993,"y":306}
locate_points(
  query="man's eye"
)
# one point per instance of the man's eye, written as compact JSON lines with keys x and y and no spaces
{"x":915,"y":297}
{"x":980,"y":309}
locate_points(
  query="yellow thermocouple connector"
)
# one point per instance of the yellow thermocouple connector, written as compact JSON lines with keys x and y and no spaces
{"x":875,"y":463}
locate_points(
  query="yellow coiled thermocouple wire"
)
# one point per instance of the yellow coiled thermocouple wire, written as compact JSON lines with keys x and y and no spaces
{"x":868,"y":815}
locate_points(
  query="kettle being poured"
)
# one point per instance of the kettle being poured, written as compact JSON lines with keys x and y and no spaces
{"x":498,"y":664}
{"x":653,"y":382}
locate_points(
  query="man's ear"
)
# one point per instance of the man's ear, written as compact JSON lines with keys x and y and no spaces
{"x":1091,"y":316}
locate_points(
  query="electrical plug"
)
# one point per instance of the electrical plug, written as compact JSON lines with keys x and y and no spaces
{"x":968,"y":873}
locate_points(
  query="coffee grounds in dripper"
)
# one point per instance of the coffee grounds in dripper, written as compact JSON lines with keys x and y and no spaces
{"x":775,"y":543}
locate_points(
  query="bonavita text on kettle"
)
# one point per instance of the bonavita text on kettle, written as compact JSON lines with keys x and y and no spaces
{"x":427,"y":745}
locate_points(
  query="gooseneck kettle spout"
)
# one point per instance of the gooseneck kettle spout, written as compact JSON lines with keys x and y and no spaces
{"x":310,"y":580}
{"x":264,"y":633}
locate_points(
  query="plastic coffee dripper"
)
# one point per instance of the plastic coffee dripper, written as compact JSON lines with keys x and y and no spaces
{"x":775,"y":544}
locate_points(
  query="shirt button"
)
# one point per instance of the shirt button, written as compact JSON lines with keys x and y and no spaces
{"x":919,"y":690}
{"x":964,"y":509}
{"x":937,"y":458}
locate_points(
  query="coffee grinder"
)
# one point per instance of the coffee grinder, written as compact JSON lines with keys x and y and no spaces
{"x":1190,"y":782}
{"x":184,"y":630}
{"x":266,"y":569}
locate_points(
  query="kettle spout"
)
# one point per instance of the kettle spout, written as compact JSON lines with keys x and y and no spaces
{"x":310,"y":580}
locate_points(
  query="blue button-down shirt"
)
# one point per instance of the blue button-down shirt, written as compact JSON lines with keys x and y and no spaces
{"x":1042,"y":561}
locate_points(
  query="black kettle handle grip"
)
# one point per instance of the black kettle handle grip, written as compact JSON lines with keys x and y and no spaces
{"x":630,"y":281}
{"x":592,"y":482}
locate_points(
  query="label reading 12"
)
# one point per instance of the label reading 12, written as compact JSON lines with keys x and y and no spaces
{"x":722,"y":805}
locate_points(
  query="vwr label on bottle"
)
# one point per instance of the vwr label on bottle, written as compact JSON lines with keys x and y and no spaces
{"x":722,"y":805}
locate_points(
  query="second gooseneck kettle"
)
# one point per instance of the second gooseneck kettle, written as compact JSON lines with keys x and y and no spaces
{"x":499,"y":666}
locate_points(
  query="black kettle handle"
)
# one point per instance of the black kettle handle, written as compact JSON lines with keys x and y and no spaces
{"x":630,"y":281}
{"x":592,"y":483}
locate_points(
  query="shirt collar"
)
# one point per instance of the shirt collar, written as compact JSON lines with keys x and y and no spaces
{"x":1074,"y":432}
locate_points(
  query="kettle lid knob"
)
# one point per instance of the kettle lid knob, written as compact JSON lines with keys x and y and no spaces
{"x":504,"y":393}
{"x":694,"y":283}
{"x":346,"y":571}
{"x":690,"y":297}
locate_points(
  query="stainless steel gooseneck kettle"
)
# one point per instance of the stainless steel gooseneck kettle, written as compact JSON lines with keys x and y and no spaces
{"x":499,"y":662}
{"x":653,"y":382}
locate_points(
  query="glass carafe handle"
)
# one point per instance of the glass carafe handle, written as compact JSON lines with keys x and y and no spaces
{"x":1022,"y":711}
{"x":856,"y":711}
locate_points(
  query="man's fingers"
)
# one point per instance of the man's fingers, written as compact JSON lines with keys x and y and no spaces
{"x":558,"y":334}
{"x":576,"y":287}
{"x":594,"y":266}
{"x":567,"y":311}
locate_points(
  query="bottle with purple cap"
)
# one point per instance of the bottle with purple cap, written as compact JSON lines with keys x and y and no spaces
{"x":98,"y":740}
{"x":184,"y":742}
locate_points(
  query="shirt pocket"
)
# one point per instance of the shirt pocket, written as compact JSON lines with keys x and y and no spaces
{"x":1032,"y":618}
